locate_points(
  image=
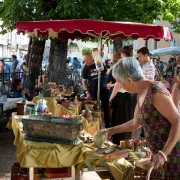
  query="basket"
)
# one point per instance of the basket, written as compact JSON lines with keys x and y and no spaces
{"x":36,"y":126}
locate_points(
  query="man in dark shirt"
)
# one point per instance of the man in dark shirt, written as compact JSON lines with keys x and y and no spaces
{"x":15,"y":62}
{"x":90,"y":84}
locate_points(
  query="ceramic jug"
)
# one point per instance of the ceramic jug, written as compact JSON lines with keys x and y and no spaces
{"x":42,"y":105}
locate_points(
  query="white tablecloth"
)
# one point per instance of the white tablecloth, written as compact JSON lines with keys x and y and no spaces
{"x":10,"y":103}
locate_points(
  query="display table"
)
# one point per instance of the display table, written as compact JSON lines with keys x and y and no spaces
{"x":44,"y":155}
{"x":57,"y":109}
{"x":37,"y":154}
{"x":32,"y":155}
{"x":6,"y":109}
{"x":10,"y":103}
{"x":91,"y":127}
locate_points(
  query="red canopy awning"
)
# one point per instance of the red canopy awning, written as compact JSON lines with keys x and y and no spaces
{"x":71,"y":29}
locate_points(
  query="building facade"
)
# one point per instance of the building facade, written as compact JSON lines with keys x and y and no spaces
{"x":12,"y":43}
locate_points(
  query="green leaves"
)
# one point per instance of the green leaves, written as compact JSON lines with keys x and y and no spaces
{"x":18,"y":10}
{"x":143,"y":11}
{"x":86,"y":50}
{"x":176,"y":26}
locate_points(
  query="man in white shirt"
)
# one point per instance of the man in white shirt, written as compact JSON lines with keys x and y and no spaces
{"x":147,"y":65}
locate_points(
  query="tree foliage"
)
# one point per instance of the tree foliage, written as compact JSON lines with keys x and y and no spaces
{"x":18,"y":10}
{"x":173,"y":14}
{"x":115,"y":10}
{"x":86,"y":50}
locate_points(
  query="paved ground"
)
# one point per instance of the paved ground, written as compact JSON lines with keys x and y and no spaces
{"x":7,"y":155}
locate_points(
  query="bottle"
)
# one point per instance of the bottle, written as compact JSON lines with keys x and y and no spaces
{"x":76,"y":100}
{"x":97,"y":59}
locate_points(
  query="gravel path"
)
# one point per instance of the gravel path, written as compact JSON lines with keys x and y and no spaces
{"x":7,"y":155}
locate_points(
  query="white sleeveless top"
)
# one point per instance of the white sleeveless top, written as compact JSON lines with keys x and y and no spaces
{"x":122,"y":90}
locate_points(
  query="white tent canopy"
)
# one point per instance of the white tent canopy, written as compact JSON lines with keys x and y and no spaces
{"x":174,"y":51}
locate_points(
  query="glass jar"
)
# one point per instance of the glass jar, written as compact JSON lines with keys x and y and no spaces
{"x":29,"y":109}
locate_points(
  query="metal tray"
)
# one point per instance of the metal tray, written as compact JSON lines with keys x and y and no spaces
{"x":51,"y":119}
{"x":51,"y":127}
{"x":107,"y":150}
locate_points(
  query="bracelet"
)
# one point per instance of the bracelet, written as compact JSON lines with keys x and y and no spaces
{"x":165,"y":157}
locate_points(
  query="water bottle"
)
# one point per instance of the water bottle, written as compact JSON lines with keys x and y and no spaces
{"x":97,"y":59}
{"x":76,"y":100}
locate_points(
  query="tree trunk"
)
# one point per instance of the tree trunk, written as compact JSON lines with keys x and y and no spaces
{"x":51,"y":61}
{"x":117,"y":44}
{"x":57,"y":63}
{"x":29,"y":51}
{"x":35,"y":62}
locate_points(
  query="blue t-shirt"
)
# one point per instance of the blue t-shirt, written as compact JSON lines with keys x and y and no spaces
{"x":14,"y":65}
{"x":7,"y":70}
{"x":76,"y":65}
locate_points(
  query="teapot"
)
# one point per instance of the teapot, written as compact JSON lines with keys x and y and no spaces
{"x":42,"y":106}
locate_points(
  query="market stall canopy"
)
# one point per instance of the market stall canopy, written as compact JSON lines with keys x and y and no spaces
{"x":174,"y":51}
{"x":83,"y":28}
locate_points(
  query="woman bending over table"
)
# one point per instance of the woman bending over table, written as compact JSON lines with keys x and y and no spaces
{"x":155,"y":112}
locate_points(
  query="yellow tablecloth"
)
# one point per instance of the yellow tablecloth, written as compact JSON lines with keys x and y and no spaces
{"x":49,"y":155}
{"x":120,"y":169}
{"x":57,"y":110}
{"x":37,"y":154}
{"x":91,"y":127}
